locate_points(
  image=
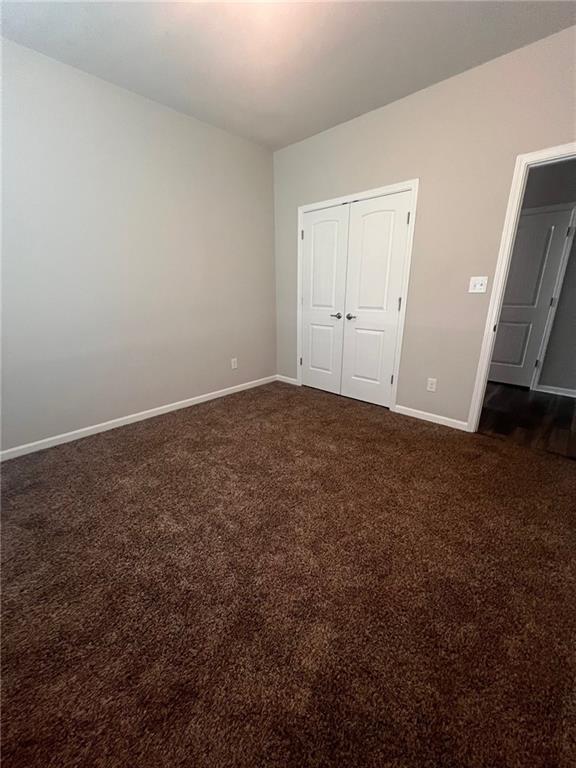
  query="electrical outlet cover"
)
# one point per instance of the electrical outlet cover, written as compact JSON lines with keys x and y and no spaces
{"x":478,"y":285}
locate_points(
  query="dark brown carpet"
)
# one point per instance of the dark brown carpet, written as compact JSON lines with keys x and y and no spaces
{"x":287,"y":578}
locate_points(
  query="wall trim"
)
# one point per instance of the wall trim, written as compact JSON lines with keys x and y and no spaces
{"x":288,"y":380}
{"x":78,"y":434}
{"x":433,"y":417}
{"x":555,"y":390}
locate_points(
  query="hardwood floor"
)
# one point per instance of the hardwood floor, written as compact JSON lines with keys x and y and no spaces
{"x":535,"y":419}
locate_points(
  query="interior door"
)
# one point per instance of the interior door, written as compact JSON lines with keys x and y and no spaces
{"x":377,"y":254}
{"x":534,"y":267}
{"x":324,"y":255}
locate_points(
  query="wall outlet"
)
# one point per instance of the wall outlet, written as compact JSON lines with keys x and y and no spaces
{"x":233,"y":363}
{"x":431,"y":385}
{"x":478,"y":285}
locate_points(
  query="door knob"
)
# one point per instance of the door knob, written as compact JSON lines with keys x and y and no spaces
{"x":338,"y":315}
{"x":351,"y":317}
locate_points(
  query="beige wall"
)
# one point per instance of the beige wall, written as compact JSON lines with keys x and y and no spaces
{"x":460,"y":138}
{"x":138,"y":253}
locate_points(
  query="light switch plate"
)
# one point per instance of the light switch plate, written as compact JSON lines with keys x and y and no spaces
{"x":478,"y":285}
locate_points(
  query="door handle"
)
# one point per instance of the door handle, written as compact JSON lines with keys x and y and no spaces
{"x":351,"y":317}
{"x":338,"y":315}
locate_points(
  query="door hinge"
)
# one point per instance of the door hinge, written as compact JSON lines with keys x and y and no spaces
{"x":300,"y":361}
{"x":537,"y":363}
{"x":302,"y":235}
{"x":494,"y":329}
{"x":569,"y":231}
{"x":408,"y":217}
{"x":399,"y":302}
{"x":392,"y":379}
{"x":553,"y":301}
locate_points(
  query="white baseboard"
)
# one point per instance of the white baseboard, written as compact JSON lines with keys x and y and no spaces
{"x":287,"y":380}
{"x":556,"y":390}
{"x":77,"y":434}
{"x":434,"y":417}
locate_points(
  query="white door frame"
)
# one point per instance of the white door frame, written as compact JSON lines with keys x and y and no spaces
{"x":391,"y":189}
{"x":523,"y":165}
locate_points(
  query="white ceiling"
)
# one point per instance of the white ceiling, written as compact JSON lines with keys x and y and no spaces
{"x":279,"y":72}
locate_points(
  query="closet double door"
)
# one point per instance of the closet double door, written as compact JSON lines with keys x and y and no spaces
{"x":353,"y":262}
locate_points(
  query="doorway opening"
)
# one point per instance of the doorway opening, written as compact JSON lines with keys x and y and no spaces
{"x":530,"y":392}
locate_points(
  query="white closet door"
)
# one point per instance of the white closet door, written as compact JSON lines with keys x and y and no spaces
{"x":377,"y":254}
{"x":530,"y":288}
{"x":324,"y":253}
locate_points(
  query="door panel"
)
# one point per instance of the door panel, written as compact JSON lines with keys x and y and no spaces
{"x":324,"y":255}
{"x":368,"y":358}
{"x":378,"y":241}
{"x":321,"y":352}
{"x":373,"y":281}
{"x":324,"y":262}
{"x":536,"y":260}
{"x":511,"y":342}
